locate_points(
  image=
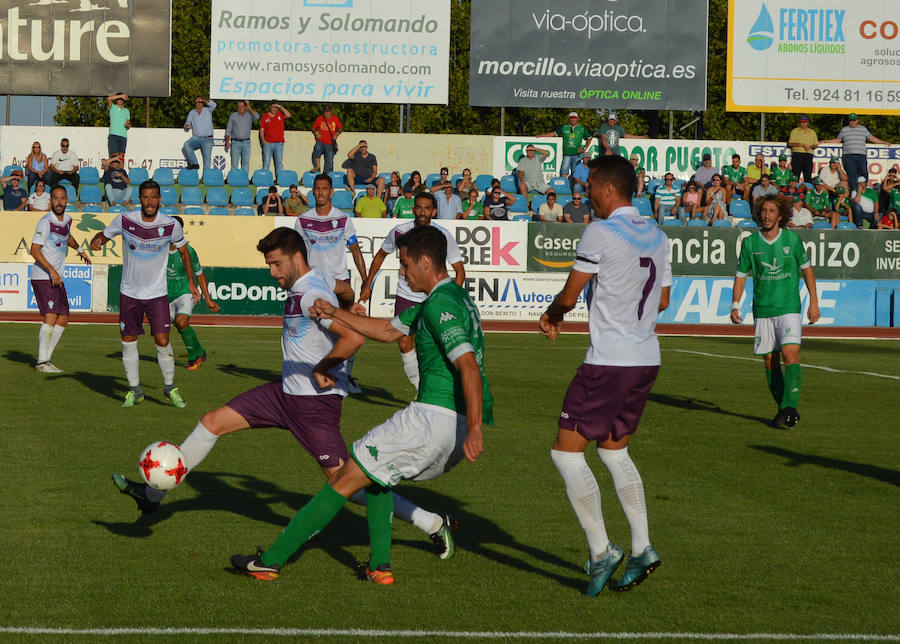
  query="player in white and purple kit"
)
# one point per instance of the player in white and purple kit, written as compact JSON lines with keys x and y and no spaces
{"x":307,"y":400}
{"x":624,"y":258}
{"x":424,"y":210}
{"x":52,"y":239}
{"x":146,"y":235}
{"x":328,"y":232}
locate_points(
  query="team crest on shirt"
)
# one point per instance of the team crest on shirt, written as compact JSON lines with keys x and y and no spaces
{"x":161,"y":230}
{"x":334,"y":223}
{"x":786,"y":249}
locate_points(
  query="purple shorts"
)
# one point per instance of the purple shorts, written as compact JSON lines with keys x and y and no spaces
{"x":315,"y":421}
{"x":131,"y":315}
{"x":604,"y":400}
{"x":50,"y":299}
{"x":401,"y":304}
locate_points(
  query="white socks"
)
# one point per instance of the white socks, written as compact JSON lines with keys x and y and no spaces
{"x":195,"y":448}
{"x":630,"y":490}
{"x":131,"y":361}
{"x":55,"y":335}
{"x":584,"y":495}
{"x":406,"y":510}
{"x":166,"y":360}
{"x":411,"y":367}
{"x":44,"y":343}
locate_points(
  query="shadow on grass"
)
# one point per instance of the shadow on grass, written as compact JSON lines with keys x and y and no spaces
{"x":795,"y":459}
{"x":263,"y":375}
{"x":20,"y":356}
{"x":695,"y":404}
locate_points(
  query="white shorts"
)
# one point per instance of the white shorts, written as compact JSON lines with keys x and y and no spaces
{"x":417,"y":443}
{"x":181,"y":305}
{"x":773,"y":333}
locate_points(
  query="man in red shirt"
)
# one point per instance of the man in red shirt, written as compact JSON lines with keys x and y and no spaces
{"x":271,"y":134}
{"x":326,"y":128}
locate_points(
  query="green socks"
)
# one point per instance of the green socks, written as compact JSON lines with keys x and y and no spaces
{"x":776,"y":384}
{"x":194,"y":348}
{"x":792,"y":385}
{"x":309,"y":520}
{"x":379,"y":511}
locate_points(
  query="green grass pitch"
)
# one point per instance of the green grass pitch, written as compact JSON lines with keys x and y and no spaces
{"x":759,"y":530}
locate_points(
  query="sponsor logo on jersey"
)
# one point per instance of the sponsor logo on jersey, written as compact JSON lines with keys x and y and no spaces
{"x":446,"y":316}
{"x":323,"y":457}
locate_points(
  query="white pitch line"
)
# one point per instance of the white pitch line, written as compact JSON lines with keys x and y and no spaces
{"x":805,"y":366}
{"x":492,"y":635}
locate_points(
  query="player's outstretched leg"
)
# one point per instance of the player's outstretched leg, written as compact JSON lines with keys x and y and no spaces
{"x":137,"y":491}
{"x":196,"y":352}
{"x":131,"y":362}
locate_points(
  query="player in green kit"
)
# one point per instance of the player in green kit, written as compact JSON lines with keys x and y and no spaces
{"x":775,"y":259}
{"x":181,"y":304}
{"x":420,"y":442}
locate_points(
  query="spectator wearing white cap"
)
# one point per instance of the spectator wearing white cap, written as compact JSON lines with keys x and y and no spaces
{"x":576,"y":139}
{"x":854,"y":137}
{"x":864,"y":202}
{"x":803,"y":141}
{"x":610,"y":133}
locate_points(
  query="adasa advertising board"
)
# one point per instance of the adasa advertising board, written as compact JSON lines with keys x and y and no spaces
{"x":826,"y":56}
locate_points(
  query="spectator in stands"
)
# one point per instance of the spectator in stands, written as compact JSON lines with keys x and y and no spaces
{"x":200,"y":124}
{"x":638,"y":173}
{"x":497,"y":203}
{"x":495,"y":183}
{"x":832,"y":176}
{"x":888,"y":221}
{"x":609,"y":135}
{"x":780,"y":173}
{"x":691,"y":201}
{"x":800,"y":216}
{"x":237,"y":135}
{"x":119,"y":122}
{"x":403,"y":208}
{"x":735,"y":178}
{"x":577,"y":211}
{"x":472,"y":206}
{"x":550,"y":210}
{"x":15,"y":197}
{"x":271,"y":204}
{"x":854,"y":136}
{"x":579,"y":178}
{"x":715,"y":200}
{"x":817,"y":200}
{"x":763,"y":188}
{"x":39,"y":200}
{"x":64,"y":164}
{"x":530,"y":171}
{"x":116,"y":183}
{"x":755,"y":171}
{"x":841,"y":207}
{"x":449,"y":205}
{"x":889,"y":182}
{"x":575,"y":140}
{"x":791,"y":189}
{"x":392,"y":192}
{"x":668,"y":199}
{"x":414,"y":183}
{"x":895,"y":201}
{"x":296,"y":203}
{"x":37,"y":165}
{"x":438,"y":184}
{"x":864,"y":203}
{"x":704,"y":174}
{"x":802,"y":142}
{"x":271,"y":135}
{"x":369,"y":206}
{"x":362,"y":168}
{"x":464,"y":185}
{"x":326,"y":128}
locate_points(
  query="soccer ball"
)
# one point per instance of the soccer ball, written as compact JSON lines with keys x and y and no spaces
{"x":162,"y":465}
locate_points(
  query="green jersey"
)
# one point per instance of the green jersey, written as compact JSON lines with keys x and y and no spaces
{"x":403,"y":208}
{"x":477,"y":209}
{"x":781,"y":177}
{"x":176,"y":277}
{"x":817,"y":200}
{"x":775,"y":267}
{"x":895,"y":201}
{"x":613,"y":135}
{"x":735,"y":175}
{"x":573,"y":138}
{"x":446,"y":326}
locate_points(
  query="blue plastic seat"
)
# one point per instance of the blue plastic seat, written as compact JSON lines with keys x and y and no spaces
{"x":672,"y":221}
{"x":137,"y":176}
{"x":520,"y":205}
{"x":562,"y":200}
{"x":261,"y":195}
{"x":287,"y":177}
{"x":653,"y":184}
{"x":678,"y":184}
{"x":219,"y":210}
{"x":71,"y":195}
{"x":262,"y":178}
{"x":747,"y":223}
{"x":238,"y":177}
{"x":721,"y":223}
{"x":821,"y":225}
{"x":117,"y":210}
{"x":342,"y":200}
{"x":168,"y":196}
{"x":217,"y":197}
{"x":739,"y":208}
{"x":521,"y":218}
{"x":88,"y":174}
{"x":507,"y":183}
{"x":242,"y":197}
{"x":192,"y":196}
{"x":213,"y":177}
{"x":8,"y":170}
{"x":560,"y":185}
{"x":92,"y":207}
{"x":90,"y":194}
{"x":193,"y":210}
{"x":697,"y":223}
{"x":846,"y":225}
{"x":483,"y":181}
{"x":455,"y":179}
{"x":188,"y":177}
{"x":308,"y":179}
{"x":164,"y":176}
{"x":338,"y":179}
{"x":431,"y":179}
{"x":537,"y":201}
{"x":643,"y":206}
{"x":169,"y":210}
{"x":245,"y":212}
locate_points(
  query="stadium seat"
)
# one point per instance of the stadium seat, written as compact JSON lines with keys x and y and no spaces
{"x":678,"y":184}
{"x":192,"y":196}
{"x":169,"y":210}
{"x":164,"y":176}
{"x":821,"y":225}
{"x":338,"y":179}
{"x":653,"y":184}
{"x":432,"y":179}
{"x":219,"y":210}
{"x":520,"y":206}
{"x":386,"y":176}
{"x":562,"y":200}
{"x":242,"y":197}
{"x":8,"y":170}
{"x":308,"y":179}
{"x":404,"y":178}
{"x":262,"y":178}
{"x":168,"y":196}
{"x":213,"y":177}
{"x":537,"y":201}
{"x":671,"y":221}
{"x":455,"y":179}
{"x":117,"y":210}
{"x":739,"y":208}
{"x":721,"y":223}
{"x":508,"y":183}
{"x":697,"y":223}
{"x":188,"y":177}
{"x":287,"y":177}
{"x":92,"y":207}
{"x":747,"y":223}
{"x":483,"y":181}
{"x":89,"y":175}
{"x":846,"y":225}
{"x":521,"y":218}
{"x":245,"y":212}
{"x":90,"y":194}
{"x":342,"y":200}
{"x":137,"y":176}
{"x":71,"y":195}
{"x":260,"y":195}
{"x":216,"y":197}
{"x":643,"y":206}
{"x":238,"y":177}
{"x":193,"y":210}
{"x":560,"y":185}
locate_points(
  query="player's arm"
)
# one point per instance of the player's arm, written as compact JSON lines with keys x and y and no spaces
{"x":344,"y":293}
{"x":551,"y":321}
{"x":359,"y":261}
{"x":83,"y":255}
{"x":38,"y":255}
{"x":365,"y":291}
{"x":375,"y":328}
{"x":98,"y":241}
{"x":189,"y":271}
{"x":813,"y":309}
{"x":472,"y":389}
{"x":737,"y":292}
{"x":204,"y":289}
{"x":460,"y":272}
{"x":348,"y":342}
{"x":664,"y":298}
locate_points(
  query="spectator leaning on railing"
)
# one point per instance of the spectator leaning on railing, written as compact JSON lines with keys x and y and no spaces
{"x":854,"y":137}
{"x":575,"y":140}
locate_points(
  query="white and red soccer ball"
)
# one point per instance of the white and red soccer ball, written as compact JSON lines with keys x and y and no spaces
{"x":162,"y":465}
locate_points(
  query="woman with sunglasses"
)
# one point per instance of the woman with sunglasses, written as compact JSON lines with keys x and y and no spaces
{"x":690,"y":200}
{"x":715,"y":200}
{"x":464,"y":185}
{"x":37,"y":165}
